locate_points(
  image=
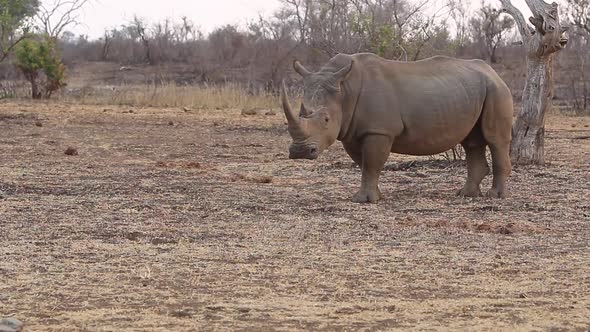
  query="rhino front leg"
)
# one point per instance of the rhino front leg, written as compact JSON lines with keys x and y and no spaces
{"x":355,"y":152}
{"x":375,"y":151}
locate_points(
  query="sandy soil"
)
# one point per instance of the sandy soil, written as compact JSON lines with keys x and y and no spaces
{"x":168,"y":220}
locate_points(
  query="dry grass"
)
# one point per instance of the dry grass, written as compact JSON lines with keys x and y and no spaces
{"x":206,"y":225}
{"x":228,"y":96}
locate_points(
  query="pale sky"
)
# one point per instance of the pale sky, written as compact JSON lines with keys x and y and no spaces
{"x":206,"y":14}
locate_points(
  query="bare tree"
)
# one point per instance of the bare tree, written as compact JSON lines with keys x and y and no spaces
{"x":139,"y":28}
{"x":275,"y":36}
{"x":186,"y":31}
{"x":54,"y":17}
{"x":301,"y":10}
{"x":547,"y":38}
{"x":579,"y":14}
{"x":490,"y":29}
{"x":458,"y":11}
{"x":107,"y":42}
{"x":427,"y":29}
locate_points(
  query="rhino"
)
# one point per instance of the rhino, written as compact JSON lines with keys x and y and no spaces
{"x":376,"y":106}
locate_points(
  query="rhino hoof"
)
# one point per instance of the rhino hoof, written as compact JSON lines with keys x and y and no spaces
{"x":366,"y":197}
{"x":469,"y":193}
{"x":495,"y":193}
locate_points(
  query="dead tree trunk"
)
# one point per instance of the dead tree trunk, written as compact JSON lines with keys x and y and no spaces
{"x":542,"y":42}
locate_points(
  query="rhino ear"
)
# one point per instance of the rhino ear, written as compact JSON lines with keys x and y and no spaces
{"x":300,"y":69}
{"x":338,"y":77}
{"x":341,"y":74}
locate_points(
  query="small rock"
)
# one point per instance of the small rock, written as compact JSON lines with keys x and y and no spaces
{"x":187,"y":109}
{"x":107,"y":110}
{"x":39,"y":124}
{"x":71,"y":151}
{"x":171,"y":123}
{"x":271,"y":113}
{"x":2,"y":195}
{"x":131,"y":111}
{"x":251,"y":111}
{"x":11,"y":325}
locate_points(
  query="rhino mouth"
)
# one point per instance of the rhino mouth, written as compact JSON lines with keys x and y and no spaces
{"x":563,"y":42}
{"x":304,"y":151}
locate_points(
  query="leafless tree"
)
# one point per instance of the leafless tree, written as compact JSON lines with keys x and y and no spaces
{"x":542,"y":43}
{"x":579,"y":12}
{"x":458,"y":12}
{"x":186,"y":31}
{"x":489,"y":28}
{"x":579,"y":15}
{"x":275,"y":45}
{"x":107,"y":42}
{"x":55,"y":16}
{"x":300,"y":9}
{"x":139,"y":28}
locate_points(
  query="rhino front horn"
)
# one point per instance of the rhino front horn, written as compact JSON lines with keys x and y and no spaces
{"x":292,"y":119}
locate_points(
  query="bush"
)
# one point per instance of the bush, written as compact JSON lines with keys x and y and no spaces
{"x":41,"y":65}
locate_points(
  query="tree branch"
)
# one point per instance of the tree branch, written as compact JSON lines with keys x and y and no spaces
{"x":64,"y":12}
{"x":540,"y":7}
{"x":5,"y":53}
{"x":521,"y":23}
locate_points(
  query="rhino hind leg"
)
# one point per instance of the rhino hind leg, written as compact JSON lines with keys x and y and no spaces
{"x":501,"y":168}
{"x":477,"y":169}
{"x":375,"y":151}
{"x":496,"y":127}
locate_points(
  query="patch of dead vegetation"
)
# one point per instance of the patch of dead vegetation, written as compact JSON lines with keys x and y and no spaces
{"x":490,"y":227}
{"x":183,"y":165}
{"x":236,"y":177}
{"x":208,"y":225}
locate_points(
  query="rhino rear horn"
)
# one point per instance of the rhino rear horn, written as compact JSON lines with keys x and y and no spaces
{"x":300,"y":69}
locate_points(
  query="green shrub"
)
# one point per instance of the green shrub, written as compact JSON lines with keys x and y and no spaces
{"x":41,"y":65}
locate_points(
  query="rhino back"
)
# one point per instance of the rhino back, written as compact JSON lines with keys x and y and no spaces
{"x":428,"y":106}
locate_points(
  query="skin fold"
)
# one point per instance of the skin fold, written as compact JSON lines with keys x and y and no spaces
{"x":376,"y":106}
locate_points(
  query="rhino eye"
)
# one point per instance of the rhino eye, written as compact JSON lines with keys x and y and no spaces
{"x":327,"y":119}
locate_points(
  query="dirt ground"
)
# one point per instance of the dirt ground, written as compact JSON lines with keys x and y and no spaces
{"x":166,"y":220}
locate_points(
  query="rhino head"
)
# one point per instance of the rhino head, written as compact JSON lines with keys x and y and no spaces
{"x":317,"y":125}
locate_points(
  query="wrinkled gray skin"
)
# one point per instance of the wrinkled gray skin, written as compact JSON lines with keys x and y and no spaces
{"x":377,"y":106}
